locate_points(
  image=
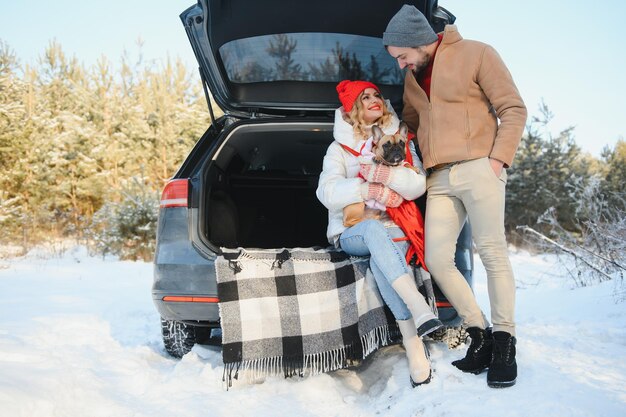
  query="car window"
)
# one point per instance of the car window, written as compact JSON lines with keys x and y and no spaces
{"x":328,"y":57}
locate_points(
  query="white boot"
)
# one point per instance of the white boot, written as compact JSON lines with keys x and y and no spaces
{"x":423,"y":317}
{"x":416,"y":353}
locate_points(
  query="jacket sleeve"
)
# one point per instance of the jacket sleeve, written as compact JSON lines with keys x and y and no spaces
{"x":407,"y":182}
{"x":334,"y":189}
{"x":495,"y":80}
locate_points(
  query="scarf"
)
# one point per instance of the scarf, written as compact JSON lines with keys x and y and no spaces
{"x":407,"y":216}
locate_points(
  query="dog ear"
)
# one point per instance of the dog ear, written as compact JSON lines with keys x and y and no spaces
{"x":377,"y":133}
{"x":404,"y":129}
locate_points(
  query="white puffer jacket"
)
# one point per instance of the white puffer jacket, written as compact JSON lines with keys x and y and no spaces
{"x":339,"y":184}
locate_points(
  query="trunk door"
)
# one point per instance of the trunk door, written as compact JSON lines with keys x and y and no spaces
{"x":278,"y":57}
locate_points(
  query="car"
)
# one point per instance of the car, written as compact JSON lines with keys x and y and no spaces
{"x":250,"y":180}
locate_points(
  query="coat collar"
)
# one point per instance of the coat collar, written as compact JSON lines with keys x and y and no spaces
{"x":451,"y":35}
{"x":343,"y":133}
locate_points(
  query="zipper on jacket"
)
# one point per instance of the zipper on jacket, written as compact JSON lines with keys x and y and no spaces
{"x":440,"y":49}
{"x":433,"y":153}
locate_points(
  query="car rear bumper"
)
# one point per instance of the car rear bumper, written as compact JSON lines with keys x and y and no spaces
{"x":186,"y":311}
{"x":195,"y":283}
{"x":181,"y":271}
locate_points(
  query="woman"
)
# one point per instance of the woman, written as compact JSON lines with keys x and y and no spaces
{"x":341,"y":184}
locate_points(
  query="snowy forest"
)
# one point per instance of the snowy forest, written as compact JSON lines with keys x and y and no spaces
{"x":85,"y":151}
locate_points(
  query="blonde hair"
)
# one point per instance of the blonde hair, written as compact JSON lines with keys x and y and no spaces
{"x":359,"y":126}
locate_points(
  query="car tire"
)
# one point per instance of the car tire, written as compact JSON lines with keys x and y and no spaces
{"x":178,"y":337}
{"x":453,"y":336}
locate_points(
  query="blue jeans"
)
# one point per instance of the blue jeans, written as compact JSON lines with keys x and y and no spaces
{"x":387,"y":258}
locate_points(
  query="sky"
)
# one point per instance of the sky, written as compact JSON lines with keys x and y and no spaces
{"x":564,"y":53}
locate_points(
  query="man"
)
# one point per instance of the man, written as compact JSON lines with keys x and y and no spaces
{"x":454,"y":95}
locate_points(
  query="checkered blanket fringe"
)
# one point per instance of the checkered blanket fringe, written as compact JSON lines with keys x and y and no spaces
{"x":313,"y":364}
{"x":298,"y":313}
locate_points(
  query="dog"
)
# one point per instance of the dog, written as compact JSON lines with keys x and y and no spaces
{"x":387,"y":150}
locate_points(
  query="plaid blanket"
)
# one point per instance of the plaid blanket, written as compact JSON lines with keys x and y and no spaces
{"x":298,"y":312}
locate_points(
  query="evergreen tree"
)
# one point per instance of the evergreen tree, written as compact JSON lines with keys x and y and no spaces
{"x":281,"y":47}
{"x":12,"y":111}
{"x":64,"y":141}
{"x":71,"y":138}
{"x":13,"y":129}
{"x":326,"y":71}
{"x":545,"y":175}
{"x":375,"y":74}
{"x":341,"y":67}
{"x":349,"y":66}
{"x":615,"y":175}
{"x":252,"y":72}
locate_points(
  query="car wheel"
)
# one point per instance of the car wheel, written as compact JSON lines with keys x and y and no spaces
{"x":453,"y":336}
{"x":178,"y":337}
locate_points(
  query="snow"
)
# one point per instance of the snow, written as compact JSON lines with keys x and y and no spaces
{"x":79,"y":336}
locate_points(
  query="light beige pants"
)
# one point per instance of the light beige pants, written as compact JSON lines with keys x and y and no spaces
{"x":470,"y":189}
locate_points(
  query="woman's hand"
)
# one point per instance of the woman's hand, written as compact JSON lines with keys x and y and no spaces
{"x":381,"y":194}
{"x":375,"y":173}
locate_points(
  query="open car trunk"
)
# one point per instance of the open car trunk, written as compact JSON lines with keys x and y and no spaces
{"x":259,"y":187}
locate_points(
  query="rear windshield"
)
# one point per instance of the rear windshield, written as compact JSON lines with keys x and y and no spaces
{"x":330,"y":57}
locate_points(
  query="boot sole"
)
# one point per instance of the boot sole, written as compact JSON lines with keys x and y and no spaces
{"x":501,"y":384}
{"x":476,"y":371}
{"x":473,"y":371}
{"x":426,"y":381}
{"x":430,"y":326}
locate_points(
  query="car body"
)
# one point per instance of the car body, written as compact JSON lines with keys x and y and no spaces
{"x":250,"y":180}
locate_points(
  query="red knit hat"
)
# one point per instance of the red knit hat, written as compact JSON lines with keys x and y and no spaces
{"x":349,"y":91}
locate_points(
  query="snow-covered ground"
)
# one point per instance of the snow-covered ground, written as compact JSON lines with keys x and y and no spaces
{"x":80,"y":337}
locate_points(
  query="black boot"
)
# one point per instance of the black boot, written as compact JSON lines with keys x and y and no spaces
{"x":503,"y":369}
{"x":479,"y":353}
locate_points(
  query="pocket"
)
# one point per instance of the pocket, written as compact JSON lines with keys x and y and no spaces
{"x":492,"y":174}
{"x":504,"y":177}
{"x":429,"y":181}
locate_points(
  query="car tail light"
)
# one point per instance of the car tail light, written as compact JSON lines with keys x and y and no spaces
{"x":443,"y":304}
{"x":175,"y":194}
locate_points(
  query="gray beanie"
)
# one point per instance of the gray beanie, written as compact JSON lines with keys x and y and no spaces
{"x":408,"y":28}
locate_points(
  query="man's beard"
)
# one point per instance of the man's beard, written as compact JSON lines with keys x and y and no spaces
{"x":421,"y":65}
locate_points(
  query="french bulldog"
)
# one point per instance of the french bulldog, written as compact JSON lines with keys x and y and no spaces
{"x":387,"y":150}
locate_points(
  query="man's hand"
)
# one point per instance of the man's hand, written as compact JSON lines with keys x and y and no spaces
{"x":496,"y":166}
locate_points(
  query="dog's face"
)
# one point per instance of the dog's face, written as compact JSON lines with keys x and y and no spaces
{"x":389,"y":149}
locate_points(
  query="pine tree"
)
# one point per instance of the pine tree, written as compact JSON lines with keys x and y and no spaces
{"x":612,"y":187}
{"x":545,"y":175}
{"x":72,"y":138}
{"x":63,"y":141}
{"x":13,"y":127}
{"x":326,"y":71}
{"x":343,"y":66}
{"x":281,"y":47}
{"x":375,"y":73}
{"x":349,"y":66}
